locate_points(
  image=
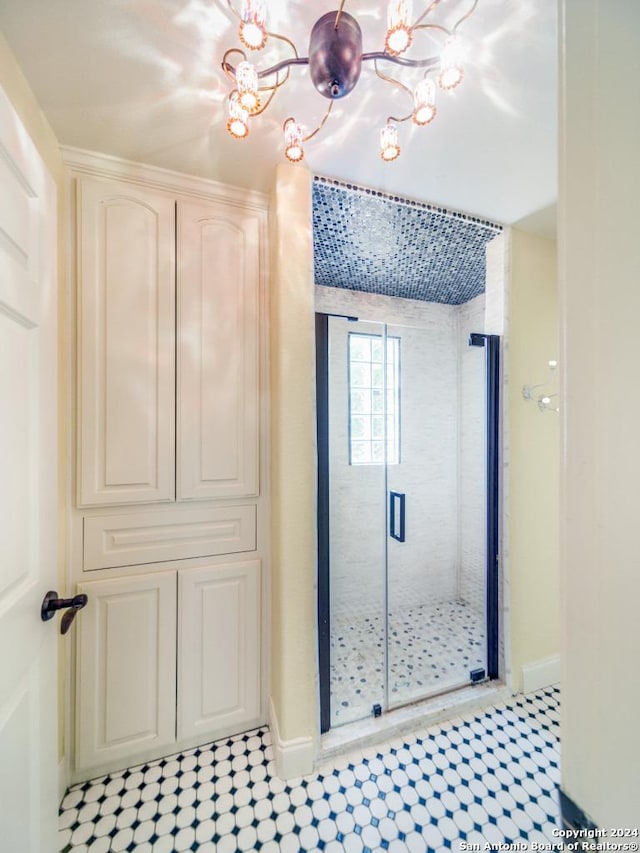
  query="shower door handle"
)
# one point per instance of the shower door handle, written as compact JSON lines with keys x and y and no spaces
{"x":396,"y":515}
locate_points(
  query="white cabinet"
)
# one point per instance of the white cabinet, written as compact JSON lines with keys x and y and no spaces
{"x":170,"y":458}
{"x":129,"y":340}
{"x":126,"y":668}
{"x":218,"y":649}
{"x":165,"y":658}
{"x":126,"y":323}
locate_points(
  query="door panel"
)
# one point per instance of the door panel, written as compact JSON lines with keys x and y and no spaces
{"x":28,"y":498}
{"x":218,"y":277}
{"x":436,"y":590}
{"x":166,"y":534}
{"x":126,"y":345}
{"x":219,"y":689}
{"x":356,"y":519}
{"x":126,"y":669}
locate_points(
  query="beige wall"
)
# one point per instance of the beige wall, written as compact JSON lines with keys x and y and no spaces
{"x":293,"y":461}
{"x":534,"y":456}
{"x":19,"y":93}
{"x":599,"y":207}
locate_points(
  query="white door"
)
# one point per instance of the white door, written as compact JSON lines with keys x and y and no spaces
{"x":28,"y":505}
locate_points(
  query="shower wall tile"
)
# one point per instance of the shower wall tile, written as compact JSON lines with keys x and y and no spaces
{"x":495,"y":287}
{"x":379,"y":308}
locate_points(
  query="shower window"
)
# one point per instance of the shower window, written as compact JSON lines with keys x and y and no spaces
{"x":374,"y":399}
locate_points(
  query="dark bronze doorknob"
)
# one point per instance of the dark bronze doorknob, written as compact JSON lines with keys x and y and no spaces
{"x":51,"y":604}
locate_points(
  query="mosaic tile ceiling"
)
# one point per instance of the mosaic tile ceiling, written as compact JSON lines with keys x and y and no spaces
{"x":366,"y":240}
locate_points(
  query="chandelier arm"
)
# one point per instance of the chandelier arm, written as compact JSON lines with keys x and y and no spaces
{"x":235,"y":11}
{"x":275,"y":86}
{"x":339,"y":13}
{"x":433,"y":27}
{"x":321,"y":125}
{"x":273,"y":90}
{"x":464,"y":17}
{"x":230,"y":69}
{"x":399,"y":120}
{"x":392,"y":80}
{"x":426,"y":12}
{"x":227,"y":67}
{"x":280,"y":66}
{"x":288,"y":41}
{"x":430,"y":62}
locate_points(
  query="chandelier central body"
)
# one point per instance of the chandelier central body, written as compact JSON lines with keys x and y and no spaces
{"x":335,"y":54}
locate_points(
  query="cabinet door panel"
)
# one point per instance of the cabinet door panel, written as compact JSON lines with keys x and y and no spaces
{"x":126,"y":344}
{"x":218,"y":649}
{"x":218,"y":275}
{"x":126,"y":668}
{"x":166,"y":534}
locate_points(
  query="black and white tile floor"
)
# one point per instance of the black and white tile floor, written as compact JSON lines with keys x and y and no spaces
{"x":431,"y":647}
{"x":485,"y":777}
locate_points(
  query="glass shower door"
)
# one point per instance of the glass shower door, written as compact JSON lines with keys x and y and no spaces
{"x":436,"y":492}
{"x":357,"y":576}
{"x":407,"y":515}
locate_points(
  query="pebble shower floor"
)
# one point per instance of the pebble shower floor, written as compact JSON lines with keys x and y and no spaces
{"x":485,"y":777}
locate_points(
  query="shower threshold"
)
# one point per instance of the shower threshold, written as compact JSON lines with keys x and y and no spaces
{"x":397,"y":722}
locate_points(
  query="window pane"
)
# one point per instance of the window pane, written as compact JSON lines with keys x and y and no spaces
{"x":360,"y":427}
{"x":360,"y":347}
{"x":360,"y":452}
{"x":360,"y":375}
{"x":371,"y":376}
{"x":377,"y":427}
{"x":377,"y":452}
{"x":360,"y":401}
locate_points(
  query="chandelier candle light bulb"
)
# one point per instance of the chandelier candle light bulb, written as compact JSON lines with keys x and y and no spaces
{"x":253,"y":33}
{"x":389,"y":148}
{"x":247,"y":80}
{"x":424,"y":101}
{"x":399,"y":33}
{"x":451,"y":70}
{"x":238,"y":123}
{"x":293,"y":149}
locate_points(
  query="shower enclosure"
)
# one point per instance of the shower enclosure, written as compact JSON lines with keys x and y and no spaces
{"x":407,"y":513}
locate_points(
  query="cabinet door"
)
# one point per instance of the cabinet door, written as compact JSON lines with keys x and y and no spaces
{"x":218,"y":649}
{"x":126,"y":669}
{"x":126,"y":344}
{"x":218,"y":277}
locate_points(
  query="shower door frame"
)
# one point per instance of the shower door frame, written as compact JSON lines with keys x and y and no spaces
{"x":491,"y":344}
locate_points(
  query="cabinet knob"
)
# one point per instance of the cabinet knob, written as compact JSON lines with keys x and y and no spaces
{"x":51,"y":603}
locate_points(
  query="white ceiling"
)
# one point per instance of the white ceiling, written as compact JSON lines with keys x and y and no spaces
{"x":141,"y":79}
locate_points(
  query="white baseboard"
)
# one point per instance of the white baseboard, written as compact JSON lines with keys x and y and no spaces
{"x":293,"y":757}
{"x":540,"y":673}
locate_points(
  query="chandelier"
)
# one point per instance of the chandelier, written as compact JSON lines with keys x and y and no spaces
{"x":335,"y":61}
